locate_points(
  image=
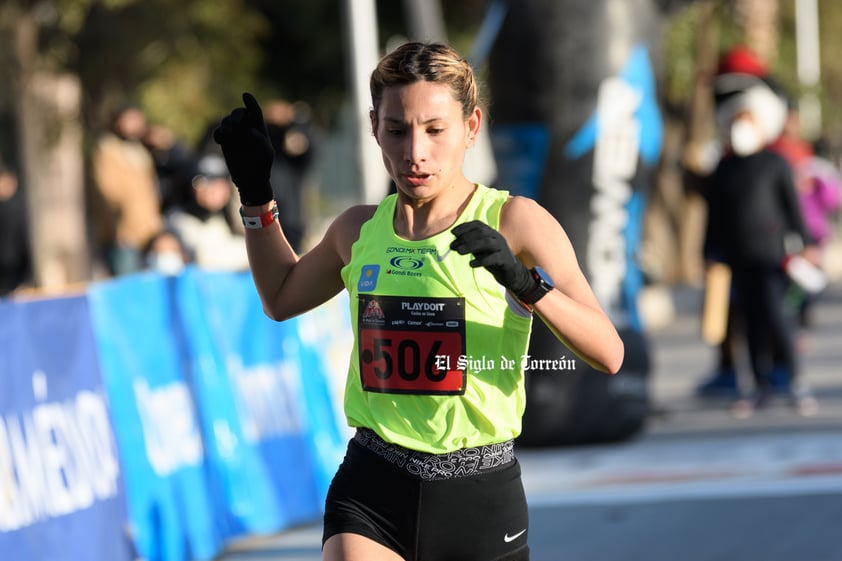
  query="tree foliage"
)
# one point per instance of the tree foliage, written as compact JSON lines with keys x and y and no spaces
{"x":680,"y":43}
{"x":176,"y":59}
{"x":187,"y":61}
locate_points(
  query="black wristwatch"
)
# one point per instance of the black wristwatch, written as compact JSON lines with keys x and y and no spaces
{"x":543,"y":284}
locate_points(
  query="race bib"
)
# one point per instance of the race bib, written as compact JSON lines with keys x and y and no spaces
{"x":411,"y":344}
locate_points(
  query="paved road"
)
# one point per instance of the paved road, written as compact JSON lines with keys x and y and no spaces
{"x":696,"y":485}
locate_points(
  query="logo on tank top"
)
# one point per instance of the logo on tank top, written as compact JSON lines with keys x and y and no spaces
{"x":408,"y":261}
{"x":368,"y":278}
{"x":404,"y":263}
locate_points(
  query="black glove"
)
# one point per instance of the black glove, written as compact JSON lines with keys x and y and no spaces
{"x":248,"y":151}
{"x":491,"y":251}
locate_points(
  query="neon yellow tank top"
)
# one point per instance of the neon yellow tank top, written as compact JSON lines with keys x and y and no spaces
{"x":435,"y":365}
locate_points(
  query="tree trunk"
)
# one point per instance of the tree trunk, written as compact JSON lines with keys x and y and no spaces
{"x":52,"y":164}
{"x":701,"y":131}
{"x":758,"y":21}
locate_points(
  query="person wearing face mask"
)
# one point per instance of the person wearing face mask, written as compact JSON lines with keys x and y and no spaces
{"x":165,"y":253}
{"x":204,"y":222}
{"x":753,"y":211}
{"x":746,"y":137}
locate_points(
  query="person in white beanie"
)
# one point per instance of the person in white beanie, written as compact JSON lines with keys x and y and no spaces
{"x":203,"y":222}
{"x":753,"y":211}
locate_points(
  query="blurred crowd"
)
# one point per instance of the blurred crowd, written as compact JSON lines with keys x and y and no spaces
{"x":156,"y":202}
{"x":159,"y":204}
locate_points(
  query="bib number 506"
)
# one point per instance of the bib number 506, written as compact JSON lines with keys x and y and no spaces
{"x":406,"y":357}
{"x":411,"y":362}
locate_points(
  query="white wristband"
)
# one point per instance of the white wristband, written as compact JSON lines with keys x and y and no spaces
{"x":260,"y":222}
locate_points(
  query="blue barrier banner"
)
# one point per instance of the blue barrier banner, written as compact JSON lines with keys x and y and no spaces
{"x":266,"y":408}
{"x":143,"y":355}
{"x":324,"y":341}
{"x":61,"y":487}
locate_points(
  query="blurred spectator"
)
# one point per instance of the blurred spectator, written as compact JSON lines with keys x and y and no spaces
{"x":290,"y":130}
{"x":817,"y":181}
{"x":204,"y":222}
{"x":752,"y":209}
{"x":738,"y":68}
{"x":165,"y":253}
{"x":818,"y":190}
{"x":790,"y":144}
{"x":173,"y":164}
{"x":15,"y":257}
{"x":126,"y":206}
{"x":822,"y":197}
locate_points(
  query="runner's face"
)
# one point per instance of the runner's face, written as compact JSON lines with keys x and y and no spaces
{"x":423,"y":137}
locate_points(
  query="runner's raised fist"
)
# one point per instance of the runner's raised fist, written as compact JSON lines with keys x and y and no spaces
{"x":248,"y":152}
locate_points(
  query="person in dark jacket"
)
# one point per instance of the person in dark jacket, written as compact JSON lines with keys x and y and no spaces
{"x":753,"y":213}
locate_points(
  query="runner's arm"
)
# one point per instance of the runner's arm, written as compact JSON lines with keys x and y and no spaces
{"x":571,"y":310}
{"x":289,"y":285}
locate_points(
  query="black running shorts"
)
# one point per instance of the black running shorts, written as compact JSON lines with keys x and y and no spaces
{"x":465,"y":506}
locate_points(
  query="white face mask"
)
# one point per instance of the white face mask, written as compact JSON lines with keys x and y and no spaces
{"x":746,"y":139}
{"x":166,"y":263}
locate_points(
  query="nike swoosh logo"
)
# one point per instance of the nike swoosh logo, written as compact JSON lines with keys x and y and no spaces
{"x":507,"y":538}
{"x":443,"y":255}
